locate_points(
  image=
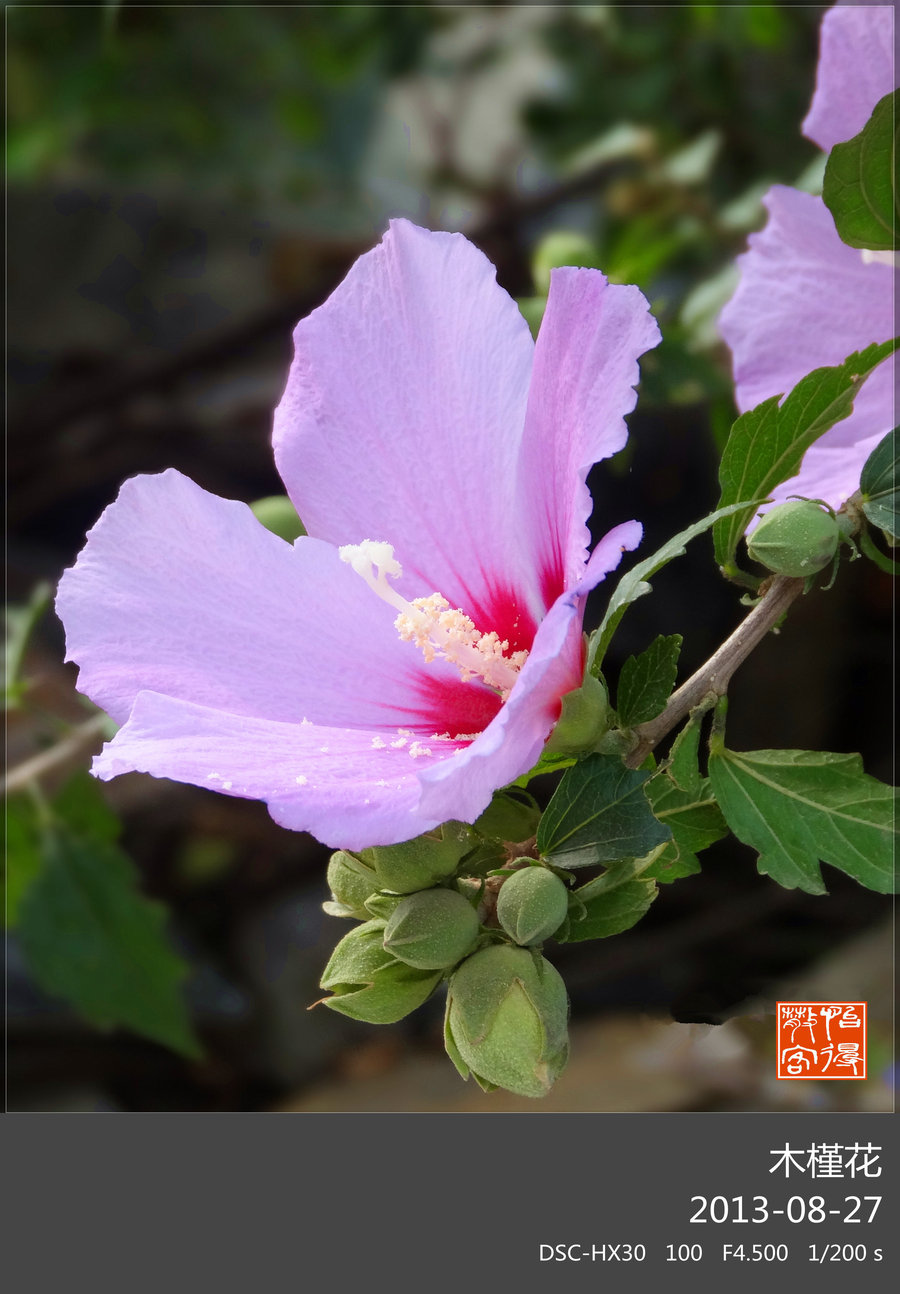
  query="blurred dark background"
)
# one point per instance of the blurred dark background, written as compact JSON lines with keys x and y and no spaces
{"x":186,"y":183}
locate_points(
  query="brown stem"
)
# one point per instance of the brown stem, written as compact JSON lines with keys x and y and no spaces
{"x":714,"y":677}
{"x":49,"y":761}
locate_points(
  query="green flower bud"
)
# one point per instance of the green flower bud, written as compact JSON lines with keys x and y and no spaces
{"x":432,"y":930}
{"x":532,"y":905}
{"x":278,"y":514}
{"x":382,"y":905}
{"x":351,"y":882}
{"x":368,"y":983}
{"x":509,"y":818}
{"x":506,"y":1020}
{"x":416,"y":864}
{"x":583,"y":720}
{"x":797,"y":538}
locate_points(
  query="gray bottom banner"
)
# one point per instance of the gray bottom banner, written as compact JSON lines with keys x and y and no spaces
{"x":451,"y":1202}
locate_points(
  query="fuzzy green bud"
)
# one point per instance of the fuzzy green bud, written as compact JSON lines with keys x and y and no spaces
{"x":416,"y":864}
{"x":532,"y":905}
{"x":584,"y":719}
{"x":432,"y":930}
{"x":797,"y":538}
{"x":351,"y":883}
{"x":506,"y":1020}
{"x":368,"y":983}
{"x":382,"y":905}
{"x":278,"y":514}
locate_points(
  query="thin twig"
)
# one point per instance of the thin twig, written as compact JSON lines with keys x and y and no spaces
{"x":715,"y":675}
{"x":48,"y":761}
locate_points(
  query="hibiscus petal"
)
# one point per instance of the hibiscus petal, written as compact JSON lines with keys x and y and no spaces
{"x":332,"y":782}
{"x":856,"y":69}
{"x":402,"y":419}
{"x":462,"y":787}
{"x":352,"y":788}
{"x":806,"y":300}
{"x":181,"y":592}
{"x":585,"y":372}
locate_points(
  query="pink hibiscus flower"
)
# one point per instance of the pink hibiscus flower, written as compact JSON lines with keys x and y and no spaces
{"x":394,"y":668}
{"x":805,"y":298}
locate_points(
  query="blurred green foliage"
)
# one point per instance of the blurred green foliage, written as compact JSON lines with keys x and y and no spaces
{"x":250,"y":99}
{"x":682,"y":69}
{"x":259,"y":99}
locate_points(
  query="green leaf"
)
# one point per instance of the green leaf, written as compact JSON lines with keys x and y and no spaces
{"x":609,"y":904}
{"x":766,"y":445}
{"x":879,"y":485}
{"x":486,"y":858}
{"x":90,"y":937}
{"x":695,"y":820}
{"x":799,"y":807}
{"x":683,"y":763}
{"x":512,"y":817}
{"x":674,"y":864}
{"x":83,"y":808}
{"x":647,"y":680}
{"x":633,"y":584}
{"x":20,"y":624}
{"x":24,"y":856}
{"x":859,"y":182}
{"x":599,"y":814}
{"x":80,"y":805}
{"x":546,"y":764}
{"x":610,"y":914}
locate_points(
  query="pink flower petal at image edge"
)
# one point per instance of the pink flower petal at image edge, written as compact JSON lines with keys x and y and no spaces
{"x":855,"y":70}
{"x":806,"y":299}
{"x":789,"y":315}
{"x":418,"y":413}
